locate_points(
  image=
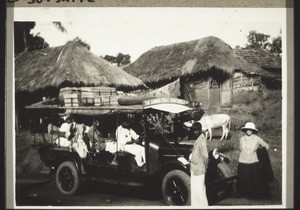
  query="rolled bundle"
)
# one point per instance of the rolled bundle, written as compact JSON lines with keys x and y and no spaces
{"x":133,"y":100}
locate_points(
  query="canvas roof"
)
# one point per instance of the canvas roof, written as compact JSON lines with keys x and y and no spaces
{"x":170,"y":107}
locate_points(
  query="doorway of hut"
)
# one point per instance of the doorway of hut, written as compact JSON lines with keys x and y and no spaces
{"x":213,"y":96}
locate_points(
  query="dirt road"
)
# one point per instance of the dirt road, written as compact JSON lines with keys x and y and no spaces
{"x":96,"y":194}
{"x":92,"y":194}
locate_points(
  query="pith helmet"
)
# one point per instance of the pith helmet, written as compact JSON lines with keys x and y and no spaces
{"x":249,"y":126}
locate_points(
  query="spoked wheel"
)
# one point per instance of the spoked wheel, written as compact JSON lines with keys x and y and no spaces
{"x":67,"y":178}
{"x":176,"y":188}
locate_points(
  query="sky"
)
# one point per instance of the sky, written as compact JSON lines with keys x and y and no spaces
{"x":134,"y":31}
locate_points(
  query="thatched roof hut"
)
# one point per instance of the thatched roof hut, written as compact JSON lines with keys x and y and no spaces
{"x":71,"y":64}
{"x":263,"y":59}
{"x":188,"y":58}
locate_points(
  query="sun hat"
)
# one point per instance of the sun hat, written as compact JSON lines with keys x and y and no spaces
{"x":249,"y":126}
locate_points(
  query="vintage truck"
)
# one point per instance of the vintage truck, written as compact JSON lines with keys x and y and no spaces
{"x":159,"y":123}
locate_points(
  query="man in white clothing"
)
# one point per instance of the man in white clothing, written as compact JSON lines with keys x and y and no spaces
{"x":126,"y":138}
{"x":65,"y":127}
{"x":64,"y":134}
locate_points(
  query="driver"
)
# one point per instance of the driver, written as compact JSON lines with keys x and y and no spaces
{"x":126,"y":140}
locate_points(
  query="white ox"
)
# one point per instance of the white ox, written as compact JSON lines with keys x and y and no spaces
{"x":215,"y":121}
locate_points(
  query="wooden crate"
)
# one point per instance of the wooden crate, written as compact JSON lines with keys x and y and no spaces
{"x":99,"y":90}
{"x":97,"y":101}
{"x":71,"y":99}
{"x":96,"y":96}
{"x":67,"y":91}
{"x":106,"y":100}
{"x":87,"y":98}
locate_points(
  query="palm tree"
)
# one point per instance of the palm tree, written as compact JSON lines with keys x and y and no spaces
{"x":60,"y":27}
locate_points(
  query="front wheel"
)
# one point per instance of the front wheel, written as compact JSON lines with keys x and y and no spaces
{"x":67,"y":178}
{"x":176,"y":188}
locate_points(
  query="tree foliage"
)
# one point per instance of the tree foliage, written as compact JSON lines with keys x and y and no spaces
{"x":261,"y":41}
{"x":60,"y":26}
{"x":276,"y":46}
{"x":257,"y":40}
{"x":79,"y":41}
{"x":123,"y":59}
{"x":24,"y":41}
{"x":120,"y":59}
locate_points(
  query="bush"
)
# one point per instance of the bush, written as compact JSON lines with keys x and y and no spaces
{"x":255,"y":113}
{"x":28,"y":162}
{"x":226,"y":146}
{"x":246,"y":97}
{"x":238,"y":121}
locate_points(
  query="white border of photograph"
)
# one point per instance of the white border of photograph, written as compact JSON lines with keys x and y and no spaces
{"x":226,"y":16}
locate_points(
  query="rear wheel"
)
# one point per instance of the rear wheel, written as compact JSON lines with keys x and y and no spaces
{"x":176,"y":188}
{"x":67,"y":178}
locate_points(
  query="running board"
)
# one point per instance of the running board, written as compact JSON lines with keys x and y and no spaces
{"x":114,"y":181}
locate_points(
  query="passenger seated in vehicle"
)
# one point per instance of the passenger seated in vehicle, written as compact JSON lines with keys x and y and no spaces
{"x":54,"y":128}
{"x":64,"y":132}
{"x":98,"y":142}
{"x":110,"y":146}
{"x":126,"y":141}
{"x":79,"y":145}
{"x":72,"y":130}
{"x":85,"y":136}
{"x":65,"y":127}
{"x":53,"y":132}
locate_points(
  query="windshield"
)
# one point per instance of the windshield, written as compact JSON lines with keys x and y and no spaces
{"x":169,"y":125}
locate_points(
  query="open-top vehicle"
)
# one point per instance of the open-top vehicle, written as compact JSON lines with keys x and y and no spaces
{"x":159,"y":123}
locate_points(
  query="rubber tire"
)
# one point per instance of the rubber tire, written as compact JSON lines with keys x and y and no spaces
{"x":184,"y":179}
{"x":70,"y":167}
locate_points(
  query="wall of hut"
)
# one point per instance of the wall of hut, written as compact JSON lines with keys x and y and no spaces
{"x":213,"y":94}
{"x":207,"y":92}
{"x":243,"y":82}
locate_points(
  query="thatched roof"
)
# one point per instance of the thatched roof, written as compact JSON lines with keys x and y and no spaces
{"x":262,"y":58}
{"x":187,"y":58}
{"x":71,"y":63}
